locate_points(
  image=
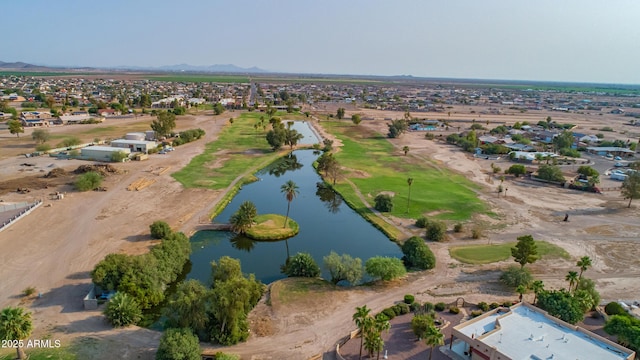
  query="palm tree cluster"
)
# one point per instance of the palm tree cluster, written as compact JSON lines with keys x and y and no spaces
{"x":371,"y":328}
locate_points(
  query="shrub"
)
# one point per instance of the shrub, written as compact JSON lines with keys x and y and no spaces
{"x":613,"y":308}
{"x":454,"y":310}
{"x":29,"y":291}
{"x":88,"y":181}
{"x":507,"y":304}
{"x":43,"y":147}
{"x":515,"y":276}
{"x":389,"y":312}
{"x":415,"y":306}
{"x":119,"y":156}
{"x":440,"y":306}
{"x":384,"y":203}
{"x":483,"y":306}
{"x":476,"y":232}
{"x":457,"y":228}
{"x":476,"y":313}
{"x":301,"y":265}
{"x":517,"y":170}
{"x":224,"y":356}
{"x":428,"y":307}
{"x":178,"y":344}
{"x":160,"y":230}
{"x":123,"y":310}
{"x":409,"y":299}
{"x":422,"y":222}
{"x":385,"y":268}
{"x":401,"y":309}
{"x":436,"y":230}
{"x":494,"y":305}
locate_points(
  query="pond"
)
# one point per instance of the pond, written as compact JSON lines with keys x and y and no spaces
{"x":326,"y":224}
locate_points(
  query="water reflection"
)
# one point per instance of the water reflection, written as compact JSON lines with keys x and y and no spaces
{"x":242,"y":242}
{"x":282,"y":165}
{"x":330,"y":198}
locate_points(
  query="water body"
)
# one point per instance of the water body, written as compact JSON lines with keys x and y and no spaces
{"x":326,"y":224}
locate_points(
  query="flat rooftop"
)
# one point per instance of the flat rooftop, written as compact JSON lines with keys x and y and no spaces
{"x":525,"y":333}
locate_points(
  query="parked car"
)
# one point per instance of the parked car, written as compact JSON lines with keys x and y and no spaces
{"x":162,"y":152}
{"x":609,"y":156}
{"x":617,"y":158}
{"x":619,"y":164}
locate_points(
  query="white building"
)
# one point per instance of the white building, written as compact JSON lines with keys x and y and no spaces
{"x":134,"y":145}
{"x":100,"y":153}
{"x":526,"y":332}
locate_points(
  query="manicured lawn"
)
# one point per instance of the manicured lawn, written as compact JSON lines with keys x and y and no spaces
{"x":485,"y":254}
{"x":435,"y":192}
{"x":270,"y":227}
{"x":238,"y":149}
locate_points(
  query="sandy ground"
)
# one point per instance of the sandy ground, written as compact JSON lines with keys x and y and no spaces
{"x":55,"y":247}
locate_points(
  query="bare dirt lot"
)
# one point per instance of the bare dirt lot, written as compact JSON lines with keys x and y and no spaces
{"x":54,"y":248}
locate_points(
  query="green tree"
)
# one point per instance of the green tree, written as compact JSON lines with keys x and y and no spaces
{"x":301,"y":265}
{"x":70,"y":141}
{"x":516,"y":170}
{"x":521,"y":290}
{"x":588,"y":286}
{"x":405,"y":150}
{"x":290,"y":190}
{"x":436,"y":230}
{"x":563,"y":141}
{"x":343,"y":267}
{"x":417,"y":254}
{"x":572,"y":278}
{"x":123,"y":310}
{"x":330,"y":165}
{"x":420,"y":325}
{"x":356,"y":119}
{"x":550,"y":173}
{"x":88,"y":181}
{"x":362,"y":319}
{"x":109,"y":272}
{"x":525,"y":252}
{"x":15,"y":324}
{"x":626,"y":329}
{"x":164,"y":123}
{"x":584,"y":263}
{"x":631,"y":187}
{"x":160,"y":229}
{"x":224,"y":356}
{"x":385,"y":268}
{"x":515,"y":276}
{"x":218,"y":108}
{"x":40,"y":136}
{"x":561,"y":304}
{"x":15,"y":127}
{"x":276,"y":138}
{"x":397,"y":128}
{"x":178,"y":344}
{"x":433,"y":338}
{"x":187,"y":307}
{"x":383,"y":203}
{"x":119,"y":156}
{"x":225,"y":269}
{"x":340,"y":113}
{"x":244,"y":218}
{"x":292,"y":137}
{"x":537,"y":286}
{"x":587,"y":170}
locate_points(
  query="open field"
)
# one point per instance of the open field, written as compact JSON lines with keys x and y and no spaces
{"x":487,"y":254}
{"x":217,"y":78}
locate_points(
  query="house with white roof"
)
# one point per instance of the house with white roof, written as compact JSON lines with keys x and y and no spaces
{"x":527,"y":332}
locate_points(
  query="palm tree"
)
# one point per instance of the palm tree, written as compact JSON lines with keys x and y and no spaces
{"x":572,"y":278}
{"x":242,"y":219}
{"x":521,"y":289}
{"x":380,"y":324}
{"x":360,"y":317}
{"x":433,"y":337}
{"x":409,"y":182}
{"x":537,"y":287}
{"x":584,"y":263}
{"x":290,"y":190}
{"x":405,"y":150}
{"x":15,"y":324}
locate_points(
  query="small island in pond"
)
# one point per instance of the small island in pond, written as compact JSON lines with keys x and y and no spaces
{"x":271,"y":227}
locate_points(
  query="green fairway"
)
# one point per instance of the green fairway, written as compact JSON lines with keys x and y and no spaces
{"x":376,"y":167}
{"x":486,"y":254}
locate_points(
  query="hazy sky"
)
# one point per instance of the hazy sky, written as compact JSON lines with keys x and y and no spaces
{"x":567,"y":40}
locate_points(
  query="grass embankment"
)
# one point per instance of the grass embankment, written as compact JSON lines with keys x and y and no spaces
{"x":63,"y":353}
{"x":297,"y":290}
{"x":486,"y":254}
{"x":271,"y":227}
{"x":375,"y":166}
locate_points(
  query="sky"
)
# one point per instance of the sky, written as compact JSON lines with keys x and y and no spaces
{"x":548,"y":40}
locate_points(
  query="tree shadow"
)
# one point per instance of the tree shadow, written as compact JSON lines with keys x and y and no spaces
{"x":69,"y":297}
{"x":80,"y":275}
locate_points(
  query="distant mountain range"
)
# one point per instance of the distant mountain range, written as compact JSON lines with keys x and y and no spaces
{"x":224,"y":68}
